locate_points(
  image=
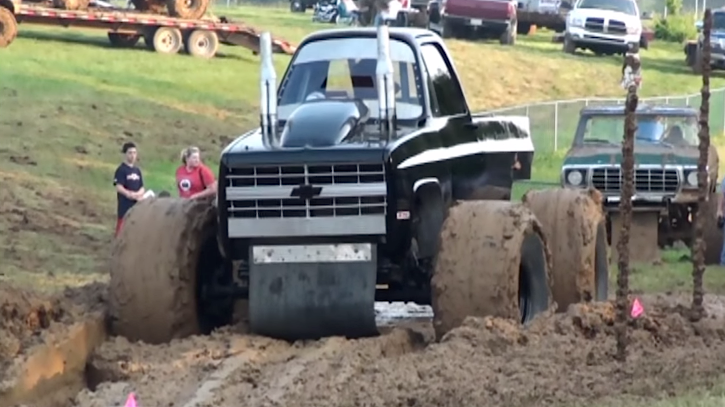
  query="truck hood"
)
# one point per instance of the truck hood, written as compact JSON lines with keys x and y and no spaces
{"x":316,"y":131}
{"x":644,"y":154}
{"x":606,"y":14}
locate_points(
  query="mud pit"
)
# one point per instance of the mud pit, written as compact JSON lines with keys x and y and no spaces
{"x":45,"y":343}
{"x":559,"y":359}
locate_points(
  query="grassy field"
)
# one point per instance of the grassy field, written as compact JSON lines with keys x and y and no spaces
{"x":69,"y":102}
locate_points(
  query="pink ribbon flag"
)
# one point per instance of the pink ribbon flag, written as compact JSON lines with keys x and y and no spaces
{"x":637,"y":310}
{"x":131,"y":400}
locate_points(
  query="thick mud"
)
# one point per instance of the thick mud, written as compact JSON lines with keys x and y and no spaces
{"x":45,"y":343}
{"x":558,"y":359}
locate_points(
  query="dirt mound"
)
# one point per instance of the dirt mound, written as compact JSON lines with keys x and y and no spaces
{"x":44,"y":340}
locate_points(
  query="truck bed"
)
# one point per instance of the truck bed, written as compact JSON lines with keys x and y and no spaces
{"x":131,"y":21}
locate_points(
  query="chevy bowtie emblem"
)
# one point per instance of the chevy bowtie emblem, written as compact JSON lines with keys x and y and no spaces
{"x":306,"y":192}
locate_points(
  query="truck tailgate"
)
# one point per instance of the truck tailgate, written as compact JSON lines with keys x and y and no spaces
{"x":483,"y":9}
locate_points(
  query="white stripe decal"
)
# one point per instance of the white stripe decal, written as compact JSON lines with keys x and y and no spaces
{"x":466,"y":149}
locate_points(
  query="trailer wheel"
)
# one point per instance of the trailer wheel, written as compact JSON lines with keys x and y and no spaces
{"x":121,"y":40}
{"x":189,"y":9}
{"x":202,"y":43}
{"x":167,"y":40}
{"x":8,"y":27}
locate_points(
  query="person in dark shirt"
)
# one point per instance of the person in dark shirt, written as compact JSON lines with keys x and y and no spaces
{"x":128,"y":181}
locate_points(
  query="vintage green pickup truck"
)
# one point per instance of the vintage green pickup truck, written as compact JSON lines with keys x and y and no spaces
{"x":665,"y":180}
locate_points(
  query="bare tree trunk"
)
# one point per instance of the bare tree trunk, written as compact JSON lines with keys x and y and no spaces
{"x":631,"y":71}
{"x":698,"y":247}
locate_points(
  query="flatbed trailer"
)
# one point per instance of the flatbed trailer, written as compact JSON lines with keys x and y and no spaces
{"x":125,"y":28}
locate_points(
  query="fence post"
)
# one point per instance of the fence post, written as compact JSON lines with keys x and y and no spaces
{"x":556,"y":126}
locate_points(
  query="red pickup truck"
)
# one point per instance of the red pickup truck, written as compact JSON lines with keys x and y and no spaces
{"x":473,"y":19}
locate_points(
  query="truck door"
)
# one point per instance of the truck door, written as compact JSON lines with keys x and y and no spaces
{"x":448,"y":104}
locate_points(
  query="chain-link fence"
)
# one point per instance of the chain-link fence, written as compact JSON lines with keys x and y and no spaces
{"x":553,"y":124}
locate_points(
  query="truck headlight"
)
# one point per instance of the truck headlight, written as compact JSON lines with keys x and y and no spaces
{"x":632,"y":30}
{"x":576,"y":22}
{"x":574,"y":178}
{"x":692,"y":178}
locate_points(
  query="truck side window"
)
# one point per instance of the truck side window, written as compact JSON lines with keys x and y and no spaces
{"x":447,"y":91}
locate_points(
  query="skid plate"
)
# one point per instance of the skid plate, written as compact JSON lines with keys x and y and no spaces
{"x":313,"y":291}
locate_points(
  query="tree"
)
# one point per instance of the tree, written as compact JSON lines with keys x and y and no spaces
{"x":698,"y":247}
{"x":631,"y":80}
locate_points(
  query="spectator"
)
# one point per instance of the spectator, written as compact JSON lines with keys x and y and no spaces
{"x":128,"y":181}
{"x":193,"y":178}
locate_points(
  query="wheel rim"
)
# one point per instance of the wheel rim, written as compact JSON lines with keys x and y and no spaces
{"x":524,"y":298}
{"x":203,"y":45}
{"x":168,"y":41}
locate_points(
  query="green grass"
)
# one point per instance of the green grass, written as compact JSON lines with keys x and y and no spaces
{"x":68,"y":102}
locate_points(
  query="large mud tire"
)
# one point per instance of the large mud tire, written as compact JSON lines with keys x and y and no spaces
{"x":712,"y":234}
{"x":153,"y":288}
{"x":576,"y":232}
{"x":8,"y":27}
{"x":189,"y":9}
{"x":493,"y":261}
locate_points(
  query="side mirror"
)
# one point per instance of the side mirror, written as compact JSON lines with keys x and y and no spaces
{"x":698,"y":25}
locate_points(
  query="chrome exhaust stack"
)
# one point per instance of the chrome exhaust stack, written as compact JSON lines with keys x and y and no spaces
{"x":386,"y":84}
{"x":268,"y":91}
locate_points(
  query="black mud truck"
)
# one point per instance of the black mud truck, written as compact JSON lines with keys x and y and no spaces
{"x":368,"y":179}
{"x":665,"y":179}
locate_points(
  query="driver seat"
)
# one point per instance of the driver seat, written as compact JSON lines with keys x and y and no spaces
{"x":675,"y":136}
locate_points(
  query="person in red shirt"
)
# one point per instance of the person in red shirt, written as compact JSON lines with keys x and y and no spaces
{"x":193,"y":178}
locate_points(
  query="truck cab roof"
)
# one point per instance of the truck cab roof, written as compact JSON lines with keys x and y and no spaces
{"x":409,"y":35}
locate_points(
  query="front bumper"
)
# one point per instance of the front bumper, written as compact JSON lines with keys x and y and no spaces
{"x":474,"y":23}
{"x":583,"y":37}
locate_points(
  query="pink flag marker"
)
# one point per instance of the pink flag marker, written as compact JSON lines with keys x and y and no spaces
{"x":637,"y":310}
{"x":131,"y":400}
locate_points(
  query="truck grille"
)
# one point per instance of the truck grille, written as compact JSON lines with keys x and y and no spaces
{"x":279,"y":181}
{"x":594,"y":24}
{"x":617,"y":27}
{"x":656,"y":180}
{"x":612,"y":27}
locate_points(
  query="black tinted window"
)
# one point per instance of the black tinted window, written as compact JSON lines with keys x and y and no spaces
{"x":446,"y":90}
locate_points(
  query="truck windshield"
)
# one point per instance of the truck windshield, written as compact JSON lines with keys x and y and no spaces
{"x":344,"y":68}
{"x":718,"y":21}
{"x":622,"y":6}
{"x":675,"y":130}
